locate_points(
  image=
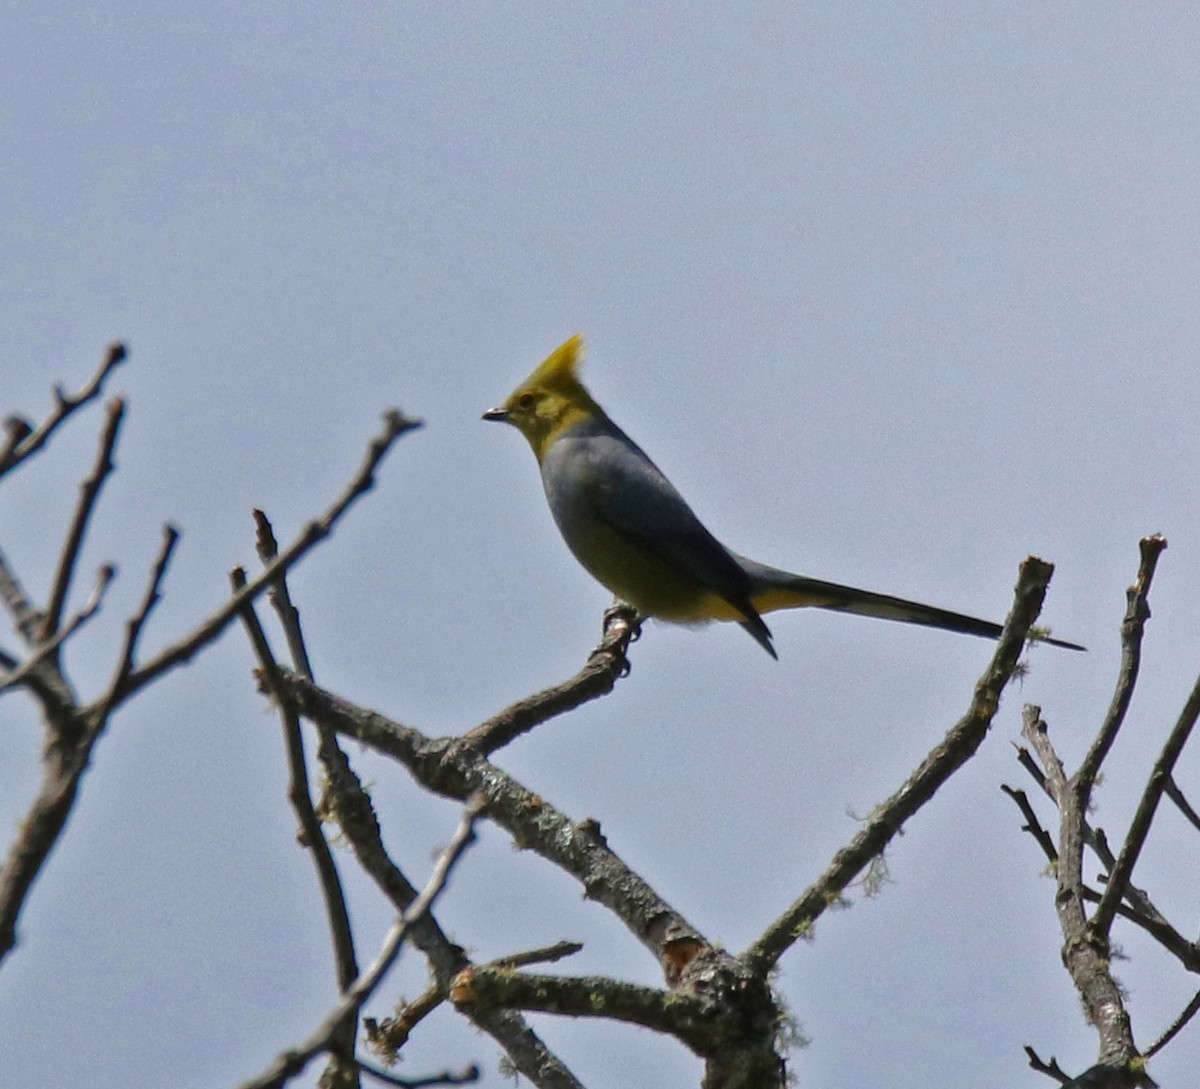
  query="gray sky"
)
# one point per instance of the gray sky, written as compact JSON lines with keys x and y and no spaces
{"x":895,"y":297}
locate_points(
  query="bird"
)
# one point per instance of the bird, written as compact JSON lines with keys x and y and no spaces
{"x":629,"y":527}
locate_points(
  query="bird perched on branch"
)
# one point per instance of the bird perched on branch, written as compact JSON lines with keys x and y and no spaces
{"x":635,"y":534}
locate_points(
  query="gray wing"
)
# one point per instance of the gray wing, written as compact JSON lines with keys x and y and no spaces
{"x":625,"y":489}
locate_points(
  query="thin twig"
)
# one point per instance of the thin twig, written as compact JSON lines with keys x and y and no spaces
{"x":605,"y":666}
{"x":1050,"y":1069}
{"x":44,"y":650}
{"x":353,"y":810}
{"x":293,"y":1062}
{"x":1172,"y":791}
{"x":89,"y":493}
{"x":1143,"y":818}
{"x":1189,"y":1011}
{"x":32,"y":440}
{"x":312,"y":833}
{"x":27,"y":619}
{"x":959,"y":745}
{"x":65,"y":757}
{"x":1142,"y":909}
{"x":338,"y":775}
{"x":393,"y":1032}
{"x":454,"y":769}
{"x":464,"y":1077}
{"x":136,"y":623}
{"x":1032,"y":825}
{"x":694,"y":1019}
{"x":546,"y":955}
{"x":1137,"y":612}
{"x":280,"y":596}
{"x":1085,"y":951}
{"x":130,"y":681}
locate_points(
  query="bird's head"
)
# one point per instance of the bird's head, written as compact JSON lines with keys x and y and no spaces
{"x":550,"y":400}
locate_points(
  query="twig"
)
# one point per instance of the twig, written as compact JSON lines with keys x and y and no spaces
{"x":26,"y":617}
{"x":336,"y":766}
{"x":1141,"y":909}
{"x":1085,"y":951}
{"x":464,"y":1077}
{"x":454,"y":769}
{"x":1189,"y":1011}
{"x":1050,"y":1069}
{"x":32,"y":440}
{"x":1172,"y":791}
{"x":131,"y":680}
{"x":89,"y":493}
{"x":355,"y":815}
{"x":1137,"y":612}
{"x":546,"y":955}
{"x":65,"y":757}
{"x":44,"y":650}
{"x":312,"y":833}
{"x":1139,"y":829}
{"x":135,"y":624}
{"x":694,"y":1019}
{"x":393,"y":1032}
{"x":605,"y":666}
{"x":1032,"y":825}
{"x":293,"y":1062}
{"x":959,"y":745}
{"x":280,"y":596}
{"x":16,"y":430}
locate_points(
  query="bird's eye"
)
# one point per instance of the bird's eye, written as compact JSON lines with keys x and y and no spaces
{"x":526,"y":401}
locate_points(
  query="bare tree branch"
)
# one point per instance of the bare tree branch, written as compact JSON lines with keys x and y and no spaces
{"x":19,"y":674}
{"x":136,"y":623}
{"x":71,"y":737}
{"x":694,"y":1019}
{"x":293,"y":1062}
{"x":89,"y":493}
{"x":1139,"y":829}
{"x":132,"y":679}
{"x":455,"y":769}
{"x":27,"y":619}
{"x":463,"y":1077}
{"x":1139,"y":910}
{"x":72,"y":730}
{"x":959,"y":745}
{"x":1085,"y":949}
{"x":605,"y":666}
{"x":392,"y":1033}
{"x":1172,"y":791}
{"x":28,"y":441}
{"x":546,"y":955}
{"x":1132,"y":628}
{"x":1032,"y":825}
{"x":1050,"y":1069}
{"x":1180,"y":1022}
{"x":312,"y":834}
{"x":347,"y":801}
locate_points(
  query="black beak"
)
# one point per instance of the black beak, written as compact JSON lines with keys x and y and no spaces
{"x":496,"y":414}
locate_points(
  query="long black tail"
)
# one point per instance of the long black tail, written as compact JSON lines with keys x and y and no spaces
{"x":776,"y":589}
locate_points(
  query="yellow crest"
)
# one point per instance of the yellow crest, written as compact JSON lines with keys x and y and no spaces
{"x":558,"y":371}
